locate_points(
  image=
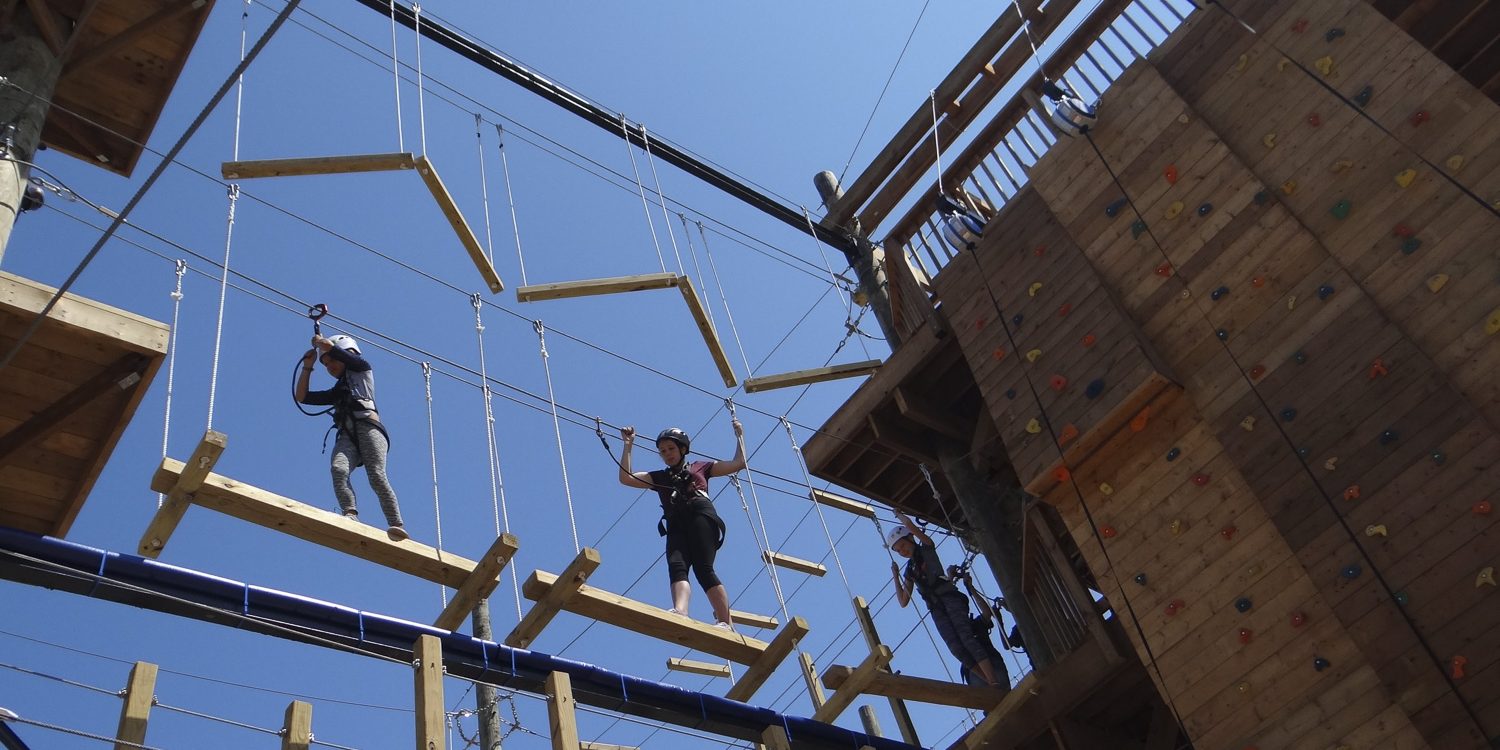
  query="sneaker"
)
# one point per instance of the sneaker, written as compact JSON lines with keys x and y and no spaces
{"x":397,"y":534}
{"x":352,"y":515}
{"x":724,"y":626}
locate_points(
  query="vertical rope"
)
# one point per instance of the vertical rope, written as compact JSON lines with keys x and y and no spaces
{"x":641,"y":188}
{"x":937,"y":145}
{"x":510,"y":200}
{"x":396,"y":77}
{"x":166,"y":419}
{"x":817,"y":506}
{"x":437,"y":508}
{"x":541,"y":338}
{"x":213,"y":376}
{"x":764,"y":534}
{"x":239,"y":93}
{"x":723,"y":300}
{"x":661,"y":198}
{"x":497,"y":480}
{"x":416,"y":11}
{"x":484,"y":188}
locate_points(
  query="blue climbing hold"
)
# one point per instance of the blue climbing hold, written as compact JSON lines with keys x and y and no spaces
{"x":1010,"y":393}
{"x":1262,"y":198}
{"x":1364,"y":96}
{"x":1351,"y":571}
{"x":1017,"y":319}
{"x":1243,"y":604}
{"x":1321,"y":664}
{"x":1173,"y":454}
{"x":1325,"y":291}
{"x":1304,"y":451}
{"x":1288,"y":414}
{"x":1299,"y":357}
{"x":1389,"y":436}
{"x":1410,"y":245}
{"x":1219,"y":293}
{"x":1333,"y":33}
{"x":1402,"y":598}
{"x":1137,"y":228}
{"x":1205,"y":209}
{"x":1439,"y":457}
{"x":1140,"y":578}
{"x":1094,"y":388}
{"x":1113,"y":209}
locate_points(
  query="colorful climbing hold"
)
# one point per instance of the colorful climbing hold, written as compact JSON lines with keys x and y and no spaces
{"x":1141,"y":418}
{"x":1410,"y":245}
{"x":1332,"y":34}
{"x":1061,"y":474}
{"x":1364,"y":96}
{"x":1137,"y":228}
{"x":1340,"y":166}
{"x":1106,"y":489}
{"x":1228,"y":533}
{"x":1033,"y":427}
{"x":1376,"y":529}
{"x":1244,"y":687}
{"x":1454,"y":162}
{"x":1438,"y":457}
{"x":1378,"y":368}
{"x":1299,"y":357}
{"x":1482,"y":508}
{"x":1219,"y":293}
{"x":1324,"y":65}
{"x":1113,"y":209}
{"x":999,"y":354}
{"x":1257,"y":371}
{"x":1341,"y":209}
{"x":1436,"y":282}
{"x":1269,"y":140}
{"x":1032,"y":355}
{"x":1289,"y":187}
{"x":1174,"y":209}
{"x":1320,"y":664}
{"x":1299,"y":26}
{"x":1258,"y":282}
{"x":1089,"y":340}
{"x":1492,"y":324}
{"x":1314,"y":119}
{"x":1486,"y":577}
{"x":1174,"y":607}
{"x":1036,"y":286}
{"x":1418,"y":117}
{"x":1401,"y":598}
{"x":1222,"y":334}
{"x":1405,"y":177}
{"x":1243,"y":604}
{"x":1402,"y":230}
{"x":1291,"y":302}
{"x":1067,"y":434}
{"x":1108,"y":532}
{"x":1351,"y":571}
{"x":1254,"y":570}
{"x":1325,"y":291}
{"x":1332,"y":463}
{"x":1351,"y":492}
{"x":1282,"y":63}
{"x":1247,"y":424}
{"x":1205,"y":209}
{"x":1017,"y":319}
{"x":1064,"y":309}
{"x":1261,"y":198}
{"x":1057,"y":383}
{"x":1239,"y":65}
{"x":1176,"y":527}
{"x":1456,"y":666}
{"x":1164,"y":270}
{"x":1298,"y":619}
{"x":1245,"y":635}
{"x":1140,"y":578}
{"x":1185,"y":293}
{"x":1094,"y":388}
{"x":1288,"y":414}
{"x":1389,"y":436}
{"x":979,"y":324}
{"x":1040,"y":251}
{"x":1200,"y":479}
{"x":1170,"y":173}
{"x":1173,"y":454}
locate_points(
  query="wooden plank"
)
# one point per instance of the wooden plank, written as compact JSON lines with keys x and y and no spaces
{"x":855,"y":685}
{"x":547,"y":607}
{"x":707,"y":669}
{"x":140,"y":694}
{"x":320,"y":527}
{"x":179,"y":496}
{"x":705,"y":327}
{"x":316,"y":165}
{"x":810,"y":677}
{"x":561,"y":711}
{"x":480,"y":583}
{"x":427,"y":682}
{"x":774,"y":738}
{"x":765,"y":665}
{"x":460,"y":225}
{"x":846,"y":504}
{"x":296,"y":728}
{"x":872,"y":640}
{"x":594,"y":287}
{"x":123,"y":375}
{"x":919,"y":689}
{"x":794,"y":563}
{"x":586,"y":745}
{"x":649,"y":621}
{"x":750,"y":619}
{"x":815,"y":375}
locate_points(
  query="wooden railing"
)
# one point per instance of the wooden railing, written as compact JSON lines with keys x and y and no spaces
{"x":1064,"y":608}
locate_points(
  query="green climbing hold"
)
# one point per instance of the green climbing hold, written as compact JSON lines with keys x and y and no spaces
{"x":1410,"y":245}
{"x":1137,"y":229}
{"x":1341,"y":209}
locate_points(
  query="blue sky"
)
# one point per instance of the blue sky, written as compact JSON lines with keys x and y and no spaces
{"x":770,"y":91}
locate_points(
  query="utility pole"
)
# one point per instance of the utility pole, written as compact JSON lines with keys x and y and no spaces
{"x":29,"y":70}
{"x":486,"y":697}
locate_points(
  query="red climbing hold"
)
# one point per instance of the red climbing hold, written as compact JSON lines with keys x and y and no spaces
{"x":1061,"y":474}
{"x":1257,"y":371}
{"x":1164,"y":270}
{"x":1108,"y":532}
{"x":1089,"y":340}
{"x":1174,"y":606}
{"x":1228,"y":533}
{"x":1403,"y":231}
{"x":1062,"y":312}
{"x":1170,"y":173}
{"x":1298,"y":619}
{"x":1482,"y":508}
{"x":1039,"y":251}
{"x":1299,"y":26}
{"x":1245,"y":635}
{"x":1457,"y":664}
{"x":1057,"y":383}
{"x":999,"y":354}
{"x":1378,"y":368}
{"x":979,"y":324}
{"x":1314,"y":120}
{"x":1067,"y":435}
{"x":1138,"y":422}
{"x":1351,"y":492}
{"x":1200,"y":479}
{"x":1419,"y":117}
{"x":1258,"y":282}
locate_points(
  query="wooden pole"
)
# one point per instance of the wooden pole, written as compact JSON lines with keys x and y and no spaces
{"x":140,"y":693}
{"x":485,"y":696}
{"x":810,"y":676}
{"x":870,"y":721}
{"x":872,"y":639}
{"x":427,"y":668}
{"x":27,"y":61}
{"x":296,"y":730}
{"x":560,"y":713}
{"x":774,"y":738}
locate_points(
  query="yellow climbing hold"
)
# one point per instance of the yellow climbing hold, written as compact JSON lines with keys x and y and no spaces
{"x":1184,"y":294}
{"x":1247,"y":424}
{"x":1106,"y":489}
{"x":1289,"y":187}
{"x":1174,"y":209}
{"x":1184,"y":119}
{"x":1486,"y":577}
{"x":1324,"y":65}
{"x":1033,"y":427}
{"x":1282,"y":63}
{"x":1033,"y":354}
{"x":1455,"y":162}
{"x":1331,"y":463}
{"x":1291,"y":302}
{"x":1269,"y":140}
{"x":1376,"y":529}
{"x":1239,"y":65}
{"x":1492,"y":325}
{"x":1405,"y":177}
{"x":1034,"y":288}
{"x":1177,"y":527}
{"x":1342,"y":165}
{"x":1436,"y":282}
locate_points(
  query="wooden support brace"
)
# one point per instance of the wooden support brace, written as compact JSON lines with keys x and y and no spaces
{"x":428,"y":683}
{"x":125,"y":39}
{"x":180,"y":494}
{"x":810,"y":676}
{"x":872,"y":640}
{"x":140,"y":693}
{"x":794,"y":563}
{"x":710,"y":336}
{"x":918,"y":409}
{"x":320,"y":527}
{"x":547,"y":607}
{"x":561,"y":714}
{"x":315,"y":165}
{"x":846,"y":504}
{"x":705,"y":668}
{"x":595,"y":287}
{"x":765,"y":665}
{"x":854,"y":685}
{"x":296,"y":730}
{"x":122,"y":374}
{"x":647,"y":620}
{"x":480,"y":583}
{"x":815,"y":375}
{"x":920,"y":689}
{"x":774,"y":738}
{"x":750,"y":619}
{"x":460,"y":225}
{"x":586,"y":745}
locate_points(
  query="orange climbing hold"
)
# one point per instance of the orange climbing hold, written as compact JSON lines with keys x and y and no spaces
{"x":1061,"y":474}
{"x":1089,"y":340}
{"x":1164,"y":270}
{"x":1378,"y":368}
{"x":1351,"y":492}
{"x":1068,"y":434}
{"x":1482,"y":508}
{"x":1258,"y":282}
{"x":1108,"y":532}
{"x":1057,"y":383}
{"x":999,"y":354}
{"x":1170,"y":173}
{"x":1228,"y":533}
{"x":1457,"y":665}
{"x":1138,"y":422}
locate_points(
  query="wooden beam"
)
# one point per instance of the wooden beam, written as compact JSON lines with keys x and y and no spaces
{"x":705,"y":327}
{"x":137,"y":31}
{"x":594,"y":287}
{"x":140,"y":693}
{"x":854,"y":685}
{"x":794,"y":563}
{"x":898,"y":438}
{"x":296,"y":729}
{"x":320,"y":527}
{"x":460,"y":225}
{"x":765,"y":665}
{"x":79,"y":24}
{"x":815,"y":375}
{"x":179,"y":496}
{"x":919,"y":689}
{"x":547,"y":607}
{"x":810,"y":676}
{"x":872,"y":641}
{"x":774,"y":738}
{"x":123,"y":374}
{"x":649,"y":621}
{"x":314,"y":165}
{"x":586,"y":745}
{"x":48,"y":23}
{"x":428,"y":684}
{"x":561,"y":716}
{"x":480,"y":583}
{"x":922,"y":411}
{"x":846,"y":504}
{"x":707,"y":669}
{"x":750,"y":619}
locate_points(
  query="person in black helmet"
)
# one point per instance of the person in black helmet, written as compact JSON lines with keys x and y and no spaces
{"x":693,"y":530}
{"x":362,"y":439}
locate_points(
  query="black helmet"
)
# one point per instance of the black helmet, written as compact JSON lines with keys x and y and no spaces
{"x":677,"y":436}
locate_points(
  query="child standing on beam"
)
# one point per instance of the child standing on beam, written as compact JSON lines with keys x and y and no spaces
{"x":948,"y":606}
{"x":693,"y":529}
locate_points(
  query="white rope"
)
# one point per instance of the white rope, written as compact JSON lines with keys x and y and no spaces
{"x":213,"y":376}
{"x":687,"y":237}
{"x":416,"y":12}
{"x":641,"y":188}
{"x":723,"y":300}
{"x":510,"y":200}
{"x":833,"y":277}
{"x":937,"y":146}
{"x":807,"y":481}
{"x":437,"y":508}
{"x":166,"y":418}
{"x":497,"y":480}
{"x":484,"y":188}
{"x":239,"y":93}
{"x":396,"y":76}
{"x":541,"y":338}
{"x":764,"y":534}
{"x":661,"y":198}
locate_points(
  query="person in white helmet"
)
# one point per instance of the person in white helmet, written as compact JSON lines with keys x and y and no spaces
{"x":693,"y":529}
{"x":948,"y":606}
{"x":362,"y":439}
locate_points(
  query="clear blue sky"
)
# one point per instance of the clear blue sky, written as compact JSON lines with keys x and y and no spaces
{"x":771,"y":91}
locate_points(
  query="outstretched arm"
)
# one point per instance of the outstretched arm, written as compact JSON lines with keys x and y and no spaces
{"x":911,"y":527}
{"x":722,"y":468}
{"x":982,"y":603}
{"x":903,"y":586}
{"x":299,"y":389}
{"x":640,"y":479}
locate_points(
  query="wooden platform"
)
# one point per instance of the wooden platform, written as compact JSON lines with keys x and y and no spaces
{"x":65,"y":399}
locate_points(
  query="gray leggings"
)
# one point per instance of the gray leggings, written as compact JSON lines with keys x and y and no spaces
{"x":370,"y":452}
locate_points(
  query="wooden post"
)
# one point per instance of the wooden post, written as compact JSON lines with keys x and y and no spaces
{"x":428,"y":670}
{"x":296,"y":730}
{"x":175,"y":504}
{"x":29,"y":62}
{"x":872,"y":639}
{"x":810,"y":676}
{"x":868,"y":719}
{"x":140,"y":693}
{"x":855,"y":685}
{"x":774,"y":738}
{"x":761,"y":669}
{"x":560,"y":714}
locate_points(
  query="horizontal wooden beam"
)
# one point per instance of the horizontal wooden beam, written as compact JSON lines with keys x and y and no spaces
{"x":175,"y":504}
{"x":550,"y":603}
{"x":919,"y":409}
{"x":122,"y":374}
{"x":653,"y":622}
{"x":794,"y":563}
{"x":595,"y":287}
{"x":815,"y":375}
{"x":846,"y":504}
{"x":852,"y":687}
{"x":460,"y":225}
{"x":586,"y":745}
{"x":919,"y":689}
{"x":750,"y":619}
{"x":707,"y":669}
{"x":480,"y":583}
{"x":315,"y":165}
{"x":705,"y":327}
{"x":320,"y":527}
{"x":762,"y":668}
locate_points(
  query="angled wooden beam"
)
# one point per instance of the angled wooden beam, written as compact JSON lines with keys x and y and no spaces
{"x":79,"y":24}
{"x":872,"y":640}
{"x":137,"y":31}
{"x":919,"y":689}
{"x":314,"y":165}
{"x":550,"y":603}
{"x":846,"y":504}
{"x":774,"y":738}
{"x":750,"y":619}
{"x":140,"y":693}
{"x":710,"y":336}
{"x":898,"y":437}
{"x":320,"y":527}
{"x":815,"y":375}
{"x":919,"y":409}
{"x":480,"y":583}
{"x":763,"y":667}
{"x":649,"y":621}
{"x":123,"y":374}
{"x":48,"y":23}
{"x":705,"y":668}
{"x":794,"y":563}
{"x":854,"y":685}
{"x":594,"y":287}
{"x":810,"y":676}
{"x":561,"y":712}
{"x":296,"y":729}
{"x":178,"y":497}
{"x":460,"y":225}
{"x":427,"y":681}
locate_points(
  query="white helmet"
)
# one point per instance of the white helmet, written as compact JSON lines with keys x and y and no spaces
{"x":347,"y":343}
{"x":896,"y":534}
